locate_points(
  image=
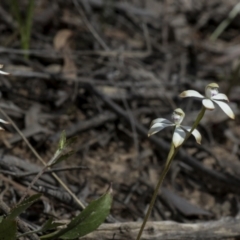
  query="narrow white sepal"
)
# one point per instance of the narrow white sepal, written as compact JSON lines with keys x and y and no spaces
{"x":178,"y":137}
{"x":224,"y":106}
{"x":208,"y":104}
{"x":220,"y":96}
{"x":197,"y":136}
{"x":160,"y":120}
{"x":191,"y":93}
{"x":158,"y":127}
{"x":195,"y":133}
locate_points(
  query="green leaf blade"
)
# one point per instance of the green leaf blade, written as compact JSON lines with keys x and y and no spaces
{"x":8,"y":229}
{"x":16,"y":211}
{"x":90,"y":218}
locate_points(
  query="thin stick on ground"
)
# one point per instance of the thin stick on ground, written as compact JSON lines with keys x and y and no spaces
{"x":32,"y":183}
{"x":40,"y":159}
{"x":89,"y":26}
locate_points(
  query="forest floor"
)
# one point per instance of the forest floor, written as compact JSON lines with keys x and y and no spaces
{"x":102,"y":71}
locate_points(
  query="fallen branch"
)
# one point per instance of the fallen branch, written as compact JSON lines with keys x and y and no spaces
{"x":81,"y":126}
{"x":223,"y":228}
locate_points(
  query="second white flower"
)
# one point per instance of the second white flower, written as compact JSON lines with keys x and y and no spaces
{"x":180,"y":132}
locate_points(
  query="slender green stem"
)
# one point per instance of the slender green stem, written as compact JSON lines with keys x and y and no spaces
{"x":160,"y":181}
{"x":28,"y":233}
{"x":172,"y":153}
{"x":39,"y":175}
{"x":197,"y":121}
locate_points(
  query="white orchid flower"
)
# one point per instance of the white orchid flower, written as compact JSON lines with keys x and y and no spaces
{"x":180,"y":131}
{"x":211,"y":95}
{"x":2,"y":72}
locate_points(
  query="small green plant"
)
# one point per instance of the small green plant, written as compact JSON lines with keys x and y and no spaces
{"x":24,"y":22}
{"x":87,"y":221}
{"x":182,"y":133}
{"x":60,"y":155}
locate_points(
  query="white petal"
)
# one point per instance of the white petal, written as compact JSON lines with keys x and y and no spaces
{"x":4,"y":73}
{"x":158,"y":127}
{"x":224,"y":106}
{"x":160,"y":120}
{"x":220,"y":96}
{"x":178,"y":137}
{"x":195,"y":133}
{"x":191,"y":93}
{"x":208,"y":104}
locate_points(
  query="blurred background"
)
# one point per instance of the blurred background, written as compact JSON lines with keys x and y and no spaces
{"x":103,"y":70}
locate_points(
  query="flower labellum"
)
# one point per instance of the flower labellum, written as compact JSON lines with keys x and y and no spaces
{"x":180,"y":131}
{"x":212,"y":95}
{"x":177,"y":116}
